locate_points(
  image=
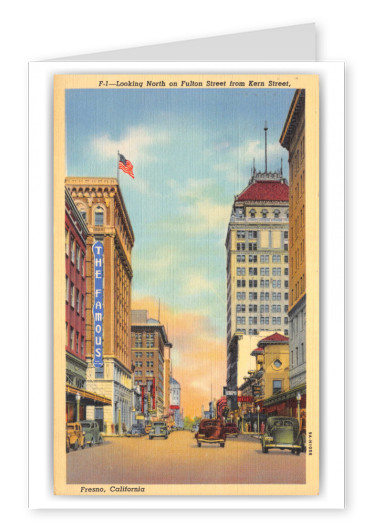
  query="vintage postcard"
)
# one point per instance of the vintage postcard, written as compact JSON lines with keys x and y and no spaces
{"x":186,"y":284}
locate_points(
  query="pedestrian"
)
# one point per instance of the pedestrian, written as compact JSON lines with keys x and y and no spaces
{"x":262,"y":427}
{"x":255,"y":427}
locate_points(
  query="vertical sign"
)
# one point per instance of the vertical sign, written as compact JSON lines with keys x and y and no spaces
{"x":98,"y":304}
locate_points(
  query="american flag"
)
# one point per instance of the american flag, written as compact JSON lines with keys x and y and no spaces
{"x":125,"y":165}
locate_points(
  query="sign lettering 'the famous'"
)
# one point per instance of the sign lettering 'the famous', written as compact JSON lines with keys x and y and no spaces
{"x":98,"y":304}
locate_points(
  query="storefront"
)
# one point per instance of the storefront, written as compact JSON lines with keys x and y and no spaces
{"x":76,"y":401}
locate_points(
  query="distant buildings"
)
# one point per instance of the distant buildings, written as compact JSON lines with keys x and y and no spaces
{"x":175,"y":405}
{"x":150,"y":345}
{"x":101,"y":205}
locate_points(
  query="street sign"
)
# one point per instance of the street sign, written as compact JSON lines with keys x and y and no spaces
{"x":231,"y":392}
{"x":245,"y":398}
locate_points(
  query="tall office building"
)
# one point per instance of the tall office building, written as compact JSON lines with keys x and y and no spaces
{"x":257,"y":267}
{"x":100,"y":203}
{"x":293,"y":139}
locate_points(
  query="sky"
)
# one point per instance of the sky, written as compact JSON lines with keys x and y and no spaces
{"x":192,"y":151}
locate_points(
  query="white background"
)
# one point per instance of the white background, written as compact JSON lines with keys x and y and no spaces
{"x":40,"y":30}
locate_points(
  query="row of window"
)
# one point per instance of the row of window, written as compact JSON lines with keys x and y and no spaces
{"x":72,"y":296}
{"x":264,"y":308}
{"x":264,"y":296}
{"x":147,"y":373}
{"x":240,"y":212}
{"x":242,"y":246}
{"x":149,"y":338}
{"x":264,"y":258}
{"x":299,"y":288}
{"x":147,"y":354}
{"x":254,"y":331}
{"x":263,"y":320}
{"x":264,"y":283}
{"x":297,"y":357}
{"x":148,"y":363}
{"x":264,"y":271}
{"x":252,"y":234}
{"x":74,"y":340}
{"x":73,"y":250}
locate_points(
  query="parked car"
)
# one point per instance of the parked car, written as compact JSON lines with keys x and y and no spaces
{"x":75,"y":435}
{"x":137,"y":430}
{"x":211,"y":431}
{"x":92,"y":432}
{"x":282,"y":433}
{"x":158,"y":429}
{"x":231,"y":429}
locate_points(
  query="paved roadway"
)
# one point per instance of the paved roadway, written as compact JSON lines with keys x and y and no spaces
{"x":178,"y":460}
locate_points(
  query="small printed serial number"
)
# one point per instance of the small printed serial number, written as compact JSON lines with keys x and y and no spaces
{"x":310,"y":443}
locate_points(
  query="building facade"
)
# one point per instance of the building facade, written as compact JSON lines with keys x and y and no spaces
{"x":293,"y":139}
{"x":76,"y":233}
{"x":100,"y":203}
{"x":257,"y":265}
{"x":175,"y":401}
{"x":149,"y":347}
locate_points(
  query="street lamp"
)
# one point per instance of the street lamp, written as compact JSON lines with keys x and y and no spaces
{"x":258,"y":418}
{"x":78,"y":398}
{"x":298,"y":398}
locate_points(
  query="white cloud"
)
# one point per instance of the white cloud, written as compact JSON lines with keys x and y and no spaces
{"x":135,"y":145}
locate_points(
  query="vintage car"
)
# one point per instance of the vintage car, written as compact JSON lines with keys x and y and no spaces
{"x":75,"y":435}
{"x":158,"y":429}
{"x":211,"y":431}
{"x":282,"y":433}
{"x":231,"y":429}
{"x":92,"y":433}
{"x":137,"y":430}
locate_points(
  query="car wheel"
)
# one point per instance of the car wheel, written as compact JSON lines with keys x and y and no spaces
{"x":75,"y":446}
{"x":297,"y":451}
{"x":265,"y":450}
{"x":222,"y":445}
{"x":199,"y":444}
{"x":166,"y":436}
{"x":83,"y":443}
{"x":150,"y":437}
{"x":92,"y":441}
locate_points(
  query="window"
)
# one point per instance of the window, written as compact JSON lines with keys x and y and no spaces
{"x":252,"y":296}
{"x":99,"y":372}
{"x":264,"y":259}
{"x":264,"y":296}
{"x":276,"y":283}
{"x":138,"y":354}
{"x":286,"y":234}
{"x":276,"y":320}
{"x":83,"y":214}
{"x":78,"y":259}
{"x":77,"y":342}
{"x":276,"y":271}
{"x":72,"y":248}
{"x":286,"y":259}
{"x":240,"y":271}
{"x":276,"y":258}
{"x":276,"y":296}
{"x":240,"y":307}
{"x":264,"y":213}
{"x":286,"y":320}
{"x":82,"y":264}
{"x":252,"y":308}
{"x":252,"y":246}
{"x":66,"y":289}
{"x":252,"y":213}
{"x":277,"y":386}
{"x":72,"y":295}
{"x":252,"y":320}
{"x":240,"y":295}
{"x":240,"y":320}
{"x":264,"y":283}
{"x":286,"y":270}
{"x":67,"y":242}
{"x":277,"y":363}
{"x":286,"y":246}
{"x":71,"y":338}
{"x":240,"y":258}
{"x":286,"y":308}
{"x":252,"y":332}
{"x":82,"y":306}
{"x":276,"y":308}
{"x":252,"y":270}
{"x":303,"y":353}
{"x":286,"y":296}
{"x":240,"y":212}
{"x":252,"y":233}
{"x":98,"y":216}
{"x":264,"y":271}
{"x":276,"y":213}
{"x":82,"y":345}
{"x":252,"y":283}
{"x":240,"y":234}
{"x":264,"y":308}
{"x":240,"y":283}
{"x":252,"y":258}
{"x":149,"y":340}
{"x":264,"y":320}
{"x":240,"y":246}
{"x":138,"y":341}
{"x":286,"y":332}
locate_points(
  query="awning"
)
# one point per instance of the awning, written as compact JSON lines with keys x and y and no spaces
{"x":88,"y":398}
{"x":286,"y":395}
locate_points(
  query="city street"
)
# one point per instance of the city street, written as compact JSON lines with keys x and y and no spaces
{"x":178,"y":460}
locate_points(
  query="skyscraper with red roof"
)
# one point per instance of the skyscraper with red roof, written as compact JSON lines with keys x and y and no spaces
{"x":257,"y":264}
